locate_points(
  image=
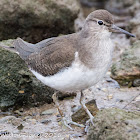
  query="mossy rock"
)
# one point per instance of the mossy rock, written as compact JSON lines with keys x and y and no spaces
{"x":35,"y":20}
{"x":18,"y":86}
{"x":127,"y":70}
{"x":115,"y":124}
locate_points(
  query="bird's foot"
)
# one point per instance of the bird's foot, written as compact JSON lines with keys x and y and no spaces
{"x":91,"y":120}
{"x":89,"y":123}
{"x":68,"y":122}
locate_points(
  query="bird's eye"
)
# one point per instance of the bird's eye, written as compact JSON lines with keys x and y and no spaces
{"x":100,"y":22}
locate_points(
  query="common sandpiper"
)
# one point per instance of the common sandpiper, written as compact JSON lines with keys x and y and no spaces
{"x":73,"y":62}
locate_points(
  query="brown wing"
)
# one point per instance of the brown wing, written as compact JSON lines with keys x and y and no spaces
{"x":56,"y":55}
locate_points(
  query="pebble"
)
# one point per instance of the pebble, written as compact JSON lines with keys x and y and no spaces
{"x":48,"y":112}
{"x":27,"y":117}
{"x":18,"y":112}
{"x":45,"y":121}
{"x":138,"y":98}
{"x":20,"y":127}
{"x":104,"y":89}
{"x":110,"y":96}
{"x":33,"y":121}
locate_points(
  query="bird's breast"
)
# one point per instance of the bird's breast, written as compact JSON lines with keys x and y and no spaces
{"x":104,"y":53}
{"x":99,"y":53}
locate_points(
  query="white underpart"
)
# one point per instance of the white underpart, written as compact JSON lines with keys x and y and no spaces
{"x":78,"y":76}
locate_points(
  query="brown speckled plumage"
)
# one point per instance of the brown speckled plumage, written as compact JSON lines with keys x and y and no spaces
{"x":53,"y":57}
{"x":57,"y":54}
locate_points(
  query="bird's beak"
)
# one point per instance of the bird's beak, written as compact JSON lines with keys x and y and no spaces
{"x":116,"y":29}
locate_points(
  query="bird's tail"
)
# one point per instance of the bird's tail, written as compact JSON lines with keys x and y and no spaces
{"x":23,"y":48}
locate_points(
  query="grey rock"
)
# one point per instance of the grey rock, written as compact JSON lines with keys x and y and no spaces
{"x":127,"y":70}
{"x":35,"y":20}
{"x":115,"y":124}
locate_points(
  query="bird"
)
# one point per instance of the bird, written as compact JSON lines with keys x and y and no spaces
{"x":73,"y":62}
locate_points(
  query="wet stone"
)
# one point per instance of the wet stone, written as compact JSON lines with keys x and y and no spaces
{"x":81,"y":116}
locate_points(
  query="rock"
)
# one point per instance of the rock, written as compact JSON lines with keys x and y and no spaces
{"x":79,"y":22}
{"x":135,"y":8}
{"x":32,"y":121}
{"x":134,"y":24}
{"x":115,"y":124}
{"x":45,"y":121}
{"x":81,"y":116}
{"x":88,"y":6}
{"x":119,"y":7}
{"x":127,"y":70}
{"x":93,"y":3}
{"x":48,"y":112}
{"x":20,"y":127}
{"x":35,"y":20}
{"x":18,"y":86}
{"x":17,"y":112}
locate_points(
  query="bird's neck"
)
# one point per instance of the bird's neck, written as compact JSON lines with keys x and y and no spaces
{"x":94,"y":47}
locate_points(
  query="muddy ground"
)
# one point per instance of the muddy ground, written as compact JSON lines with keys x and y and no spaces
{"x":34,"y":123}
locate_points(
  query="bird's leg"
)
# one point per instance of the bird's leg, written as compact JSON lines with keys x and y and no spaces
{"x":65,"y":120}
{"x":55,"y":100}
{"x":85,"y":108}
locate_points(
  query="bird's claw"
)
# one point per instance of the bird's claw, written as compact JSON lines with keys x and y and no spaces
{"x":89,"y":123}
{"x":91,"y":119}
{"x":67,"y":122}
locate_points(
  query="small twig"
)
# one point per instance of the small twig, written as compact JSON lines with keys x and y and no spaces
{"x":131,"y":101}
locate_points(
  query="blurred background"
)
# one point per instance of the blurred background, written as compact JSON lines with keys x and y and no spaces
{"x":35,"y":20}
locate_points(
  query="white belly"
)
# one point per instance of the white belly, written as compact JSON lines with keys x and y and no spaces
{"x":75,"y":78}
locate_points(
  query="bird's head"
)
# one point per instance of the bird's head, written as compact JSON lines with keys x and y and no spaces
{"x":102,"y":21}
